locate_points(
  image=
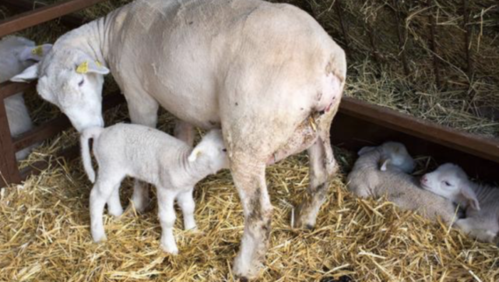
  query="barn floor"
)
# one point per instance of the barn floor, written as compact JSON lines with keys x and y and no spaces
{"x":45,"y":234}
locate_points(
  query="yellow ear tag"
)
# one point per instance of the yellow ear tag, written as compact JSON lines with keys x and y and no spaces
{"x":82,"y":68}
{"x":38,"y":51}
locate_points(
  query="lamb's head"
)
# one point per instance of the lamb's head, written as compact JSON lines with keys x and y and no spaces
{"x":393,"y":155}
{"x":18,"y":53}
{"x":71,"y":80}
{"x":451,"y":182}
{"x":211,"y":152}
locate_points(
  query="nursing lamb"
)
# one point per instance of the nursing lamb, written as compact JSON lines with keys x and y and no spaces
{"x":16,"y":54}
{"x":268,"y":74}
{"x":382,"y":171}
{"x":480,"y":201}
{"x":155,"y":157}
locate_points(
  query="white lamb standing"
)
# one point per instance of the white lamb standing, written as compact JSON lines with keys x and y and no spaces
{"x":383,"y":171}
{"x":16,"y":54}
{"x":154,"y":157}
{"x":480,"y":201}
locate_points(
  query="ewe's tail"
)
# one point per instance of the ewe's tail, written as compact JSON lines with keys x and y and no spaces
{"x":91,"y":133}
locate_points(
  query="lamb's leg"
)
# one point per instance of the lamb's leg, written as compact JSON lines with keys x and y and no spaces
{"x":187,"y":204}
{"x":114,"y":204}
{"x":100,"y":194}
{"x":322,"y":168}
{"x":143,"y":110}
{"x":249,"y":178}
{"x":184,"y":132}
{"x":477,"y":228}
{"x":166,"y":215}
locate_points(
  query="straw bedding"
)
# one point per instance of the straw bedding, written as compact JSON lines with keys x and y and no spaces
{"x":44,"y":234}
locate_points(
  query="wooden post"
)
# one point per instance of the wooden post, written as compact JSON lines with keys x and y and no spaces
{"x":8,"y":164}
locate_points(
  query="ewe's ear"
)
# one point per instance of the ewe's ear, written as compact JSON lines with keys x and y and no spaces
{"x":35,"y":53}
{"x":88,"y":66}
{"x":469,"y":195}
{"x":27,"y":75}
{"x":196,"y":152}
{"x":366,"y":149}
{"x":384,"y":163}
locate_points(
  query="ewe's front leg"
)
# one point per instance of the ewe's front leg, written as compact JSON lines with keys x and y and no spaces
{"x":187,"y":204}
{"x":323,"y":167}
{"x":143,"y":110}
{"x":249,"y":178}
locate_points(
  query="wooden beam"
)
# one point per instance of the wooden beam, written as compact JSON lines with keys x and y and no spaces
{"x":41,"y":15}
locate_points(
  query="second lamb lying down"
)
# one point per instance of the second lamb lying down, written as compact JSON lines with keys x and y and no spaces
{"x":480,"y":201}
{"x":154,"y":157}
{"x":382,"y":171}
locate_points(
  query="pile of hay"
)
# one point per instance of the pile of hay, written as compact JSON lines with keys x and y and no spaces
{"x":44,"y":234}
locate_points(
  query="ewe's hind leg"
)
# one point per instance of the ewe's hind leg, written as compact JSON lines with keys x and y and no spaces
{"x":187,"y":204}
{"x":322,"y":168}
{"x":143,"y":110}
{"x":100,"y":194}
{"x":167,"y":219}
{"x":249,"y":177}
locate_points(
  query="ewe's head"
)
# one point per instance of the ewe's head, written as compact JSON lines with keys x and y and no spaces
{"x":393,"y":155}
{"x":18,"y":53}
{"x":71,"y":80}
{"x":451,"y":182}
{"x":211,"y":152}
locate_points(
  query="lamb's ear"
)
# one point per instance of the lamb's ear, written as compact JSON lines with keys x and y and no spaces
{"x":89,"y":66}
{"x":27,"y":75}
{"x":469,"y":195}
{"x":383,"y":164}
{"x":366,"y":149}
{"x":35,"y":53}
{"x":196,"y":152}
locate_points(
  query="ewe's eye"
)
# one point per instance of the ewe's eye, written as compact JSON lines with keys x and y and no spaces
{"x":447,"y":183}
{"x":224,"y":150}
{"x":81,"y":83}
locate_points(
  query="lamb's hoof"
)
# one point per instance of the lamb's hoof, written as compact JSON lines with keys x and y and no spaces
{"x":243,"y":279}
{"x":172,"y":250}
{"x":115,"y":212}
{"x":98,"y":238}
{"x":309,"y":227}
